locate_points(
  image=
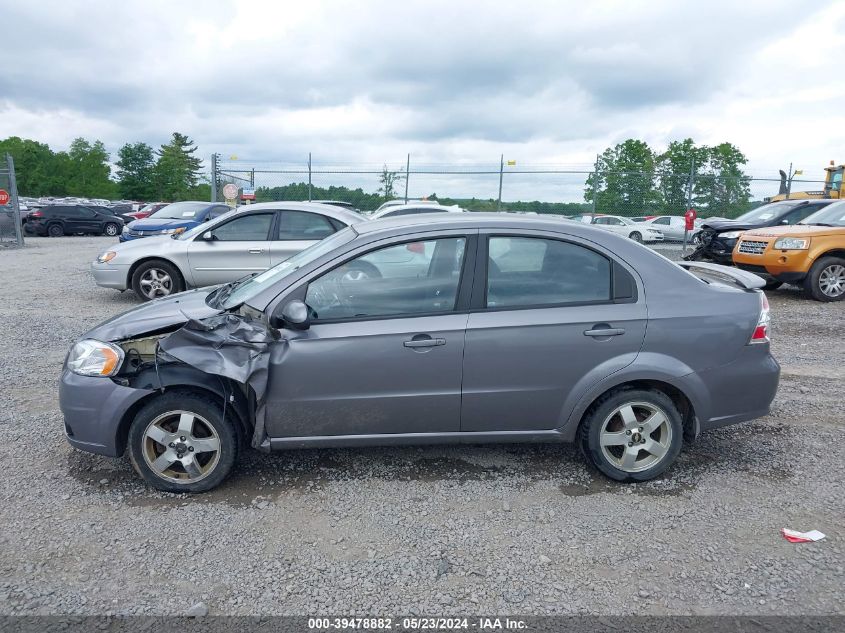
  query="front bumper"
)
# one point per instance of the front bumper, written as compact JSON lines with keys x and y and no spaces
{"x":93,"y":408}
{"x":110,"y":275}
{"x":787,"y":277}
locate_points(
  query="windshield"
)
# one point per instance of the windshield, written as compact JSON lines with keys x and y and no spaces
{"x":254,"y":285}
{"x":180,"y":211}
{"x":767,"y":211}
{"x":832,"y":215}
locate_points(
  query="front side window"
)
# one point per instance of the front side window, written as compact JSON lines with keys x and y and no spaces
{"x":403,"y":279}
{"x":526,"y":271}
{"x":664,"y":221}
{"x":248,"y":228}
{"x":301,"y":225}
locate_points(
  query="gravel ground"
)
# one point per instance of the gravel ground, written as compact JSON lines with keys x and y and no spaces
{"x":434,"y":530}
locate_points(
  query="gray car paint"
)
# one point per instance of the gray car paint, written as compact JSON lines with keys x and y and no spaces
{"x":354,"y":383}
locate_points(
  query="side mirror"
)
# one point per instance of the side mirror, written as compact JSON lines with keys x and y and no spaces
{"x":784,"y":221}
{"x":293,"y":316}
{"x":208,"y":236}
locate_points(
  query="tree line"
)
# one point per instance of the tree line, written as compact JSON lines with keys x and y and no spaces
{"x":631,"y":178}
{"x":170,"y":173}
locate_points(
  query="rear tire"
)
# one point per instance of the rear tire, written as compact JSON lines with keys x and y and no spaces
{"x":155,"y":279}
{"x":166,"y":461}
{"x":631,"y":434}
{"x":826,"y":280}
{"x":111,"y":229}
{"x":636,"y":236}
{"x":55,"y":230}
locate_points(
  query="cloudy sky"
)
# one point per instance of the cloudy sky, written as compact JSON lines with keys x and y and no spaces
{"x":451,"y":82}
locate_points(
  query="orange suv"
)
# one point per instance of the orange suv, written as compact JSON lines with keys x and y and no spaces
{"x":810,"y":253}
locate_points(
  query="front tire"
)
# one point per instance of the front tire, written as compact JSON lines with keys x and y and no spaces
{"x":826,"y":280}
{"x":636,"y":236}
{"x":111,"y":229}
{"x":179,"y":442}
{"x":632,"y":434}
{"x":155,"y":279}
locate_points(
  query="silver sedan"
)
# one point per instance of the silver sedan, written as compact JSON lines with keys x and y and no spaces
{"x":245,"y":241}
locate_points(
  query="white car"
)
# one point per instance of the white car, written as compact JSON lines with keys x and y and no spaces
{"x":402,"y":202}
{"x":242,"y":242}
{"x":622,"y":226}
{"x":672,"y":226}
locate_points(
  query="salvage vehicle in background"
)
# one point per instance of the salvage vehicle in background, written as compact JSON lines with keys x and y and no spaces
{"x":636,"y":231}
{"x":517,"y":329}
{"x":174,"y":218}
{"x":717,"y":238}
{"x":673,"y":227}
{"x":810,"y":254}
{"x":69,"y":219}
{"x":413,"y":208}
{"x":238,"y":243}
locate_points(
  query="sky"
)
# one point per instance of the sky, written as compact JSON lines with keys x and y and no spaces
{"x":452,"y":83}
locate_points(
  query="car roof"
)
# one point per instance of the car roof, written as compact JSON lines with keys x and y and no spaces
{"x":346,"y":216}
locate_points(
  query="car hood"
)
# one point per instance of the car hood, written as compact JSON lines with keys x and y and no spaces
{"x":798,"y":230}
{"x":154,"y":224}
{"x":162,"y":314}
{"x":721,"y":226}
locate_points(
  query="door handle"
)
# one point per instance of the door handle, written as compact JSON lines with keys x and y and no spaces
{"x":608,"y":331}
{"x":256,"y":251}
{"x":424,"y":342}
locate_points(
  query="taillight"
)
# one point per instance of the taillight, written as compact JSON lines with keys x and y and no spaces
{"x":417,"y":247}
{"x":761,"y":332}
{"x":36,"y":214}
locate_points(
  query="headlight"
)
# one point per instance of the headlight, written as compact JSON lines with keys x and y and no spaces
{"x":792,"y":243}
{"x":731,"y":234}
{"x":106,"y":257}
{"x":94,"y":358}
{"x":125,"y":228}
{"x":168,"y":231}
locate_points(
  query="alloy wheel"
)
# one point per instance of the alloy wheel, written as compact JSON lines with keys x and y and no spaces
{"x":111,"y":230}
{"x":832,"y":280}
{"x":635,"y":436}
{"x":181,"y":446}
{"x":156,"y":283}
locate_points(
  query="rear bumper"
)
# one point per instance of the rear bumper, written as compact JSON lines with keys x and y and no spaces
{"x":110,"y":275}
{"x":93,"y":408}
{"x":742,"y":390}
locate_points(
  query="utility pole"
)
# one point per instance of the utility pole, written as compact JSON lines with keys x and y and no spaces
{"x":501,"y":175}
{"x":13,"y":185}
{"x":309,"y":176}
{"x":407,"y":174}
{"x":596,"y":183}
{"x":214,"y":177}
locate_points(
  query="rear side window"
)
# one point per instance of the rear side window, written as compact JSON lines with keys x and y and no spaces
{"x":528,"y":271}
{"x":301,"y":225}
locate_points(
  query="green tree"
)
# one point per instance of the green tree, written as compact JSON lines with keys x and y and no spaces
{"x":623,"y":182}
{"x":90,"y":174}
{"x":177,"y":170}
{"x":673,"y":173}
{"x":136,"y":171}
{"x":35,"y":167}
{"x":388,"y":181}
{"x":723,"y":187}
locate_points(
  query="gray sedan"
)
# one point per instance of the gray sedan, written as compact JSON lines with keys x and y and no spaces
{"x":245,"y":241}
{"x":499,"y":328}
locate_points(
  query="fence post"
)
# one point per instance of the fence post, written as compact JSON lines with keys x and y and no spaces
{"x":789,"y":182}
{"x":13,"y":185}
{"x":252,"y":178}
{"x":407,"y":175}
{"x":214,"y":177}
{"x":501,"y":174}
{"x":595,"y":183}
{"x":309,"y":176}
{"x":690,"y":186}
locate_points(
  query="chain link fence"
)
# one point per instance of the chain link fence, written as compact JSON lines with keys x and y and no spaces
{"x":505,"y":186}
{"x":11,"y":227}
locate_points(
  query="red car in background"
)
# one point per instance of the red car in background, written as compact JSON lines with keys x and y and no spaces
{"x":147,"y":210}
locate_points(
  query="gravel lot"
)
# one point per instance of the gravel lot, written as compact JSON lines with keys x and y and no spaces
{"x":434,"y":530}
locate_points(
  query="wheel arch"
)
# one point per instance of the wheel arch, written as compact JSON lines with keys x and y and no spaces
{"x":154,"y":258}
{"x":686,"y":391}
{"x":186,"y":379}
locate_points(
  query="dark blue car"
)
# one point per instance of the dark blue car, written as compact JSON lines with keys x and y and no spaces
{"x":174,"y":218}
